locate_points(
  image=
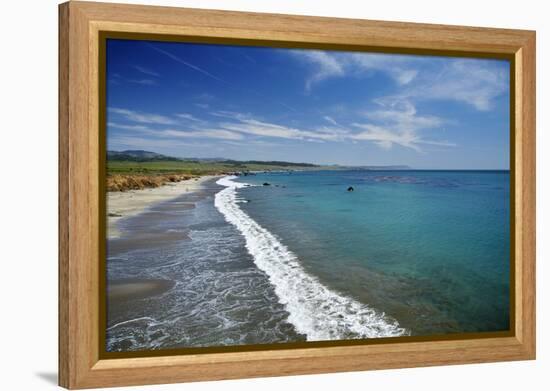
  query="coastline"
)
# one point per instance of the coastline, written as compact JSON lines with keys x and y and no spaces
{"x":132,"y":202}
{"x":175,"y":256}
{"x":174,"y":277}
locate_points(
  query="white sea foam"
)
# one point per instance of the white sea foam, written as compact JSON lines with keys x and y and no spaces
{"x":143,"y":318}
{"x":315,"y":310}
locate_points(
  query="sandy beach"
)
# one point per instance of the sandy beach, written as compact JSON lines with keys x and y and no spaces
{"x":133,"y":202}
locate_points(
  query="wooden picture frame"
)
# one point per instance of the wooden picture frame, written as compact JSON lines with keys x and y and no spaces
{"x":81,"y":24}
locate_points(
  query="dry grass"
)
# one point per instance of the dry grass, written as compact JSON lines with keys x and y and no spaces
{"x":121,"y":182}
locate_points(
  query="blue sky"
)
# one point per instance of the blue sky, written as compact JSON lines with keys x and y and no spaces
{"x":326,"y":107}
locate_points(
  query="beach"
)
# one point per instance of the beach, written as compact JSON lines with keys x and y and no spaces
{"x":180,"y":276}
{"x":129,"y":203}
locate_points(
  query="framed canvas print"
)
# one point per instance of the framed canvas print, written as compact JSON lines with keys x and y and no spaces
{"x":247,"y":195}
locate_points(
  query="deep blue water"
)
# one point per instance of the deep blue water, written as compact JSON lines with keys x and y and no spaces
{"x":430,"y":249}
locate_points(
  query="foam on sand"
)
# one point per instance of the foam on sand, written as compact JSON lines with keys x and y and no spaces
{"x":315,"y":310}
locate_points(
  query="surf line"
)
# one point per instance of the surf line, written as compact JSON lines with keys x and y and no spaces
{"x":315,"y":310}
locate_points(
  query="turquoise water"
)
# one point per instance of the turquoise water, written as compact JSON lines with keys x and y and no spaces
{"x":429,"y":250}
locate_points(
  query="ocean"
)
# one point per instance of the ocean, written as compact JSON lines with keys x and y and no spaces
{"x":303,"y":259}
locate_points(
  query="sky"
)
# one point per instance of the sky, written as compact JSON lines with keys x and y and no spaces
{"x":302,"y":105}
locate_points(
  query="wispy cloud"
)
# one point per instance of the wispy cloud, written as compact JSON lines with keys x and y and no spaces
{"x":127,"y":142}
{"x":126,"y":127}
{"x":398,"y":124}
{"x":203,"y":133}
{"x":266,"y":129}
{"x":404,"y":114}
{"x":212,"y":76}
{"x":385,"y":125}
{"x":148,"y":81}
{"x":327,"y":66}
{"x":400,"y":68}
{"x":330,"y":120}
{"x":175,"y":133}
{"x":186,"y":63}
{"x":474,"y":82}
{"x":188,"y":116}
{"x":335,"y":64}
{"x":384,"y":137}
{"x":471,"y":81}
{"x":146,"y":71}
{"x":255,"y":143}
{"x":230,"y":114}
{"x":190,"y":131}
{"x":145,"y":118}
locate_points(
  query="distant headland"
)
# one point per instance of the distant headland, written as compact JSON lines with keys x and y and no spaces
{"x":139,"y":169}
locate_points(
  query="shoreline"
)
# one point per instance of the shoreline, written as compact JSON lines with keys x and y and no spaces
{"x":132,"y":202}
{"x":175,"y":274}
{"x":315,"y":310}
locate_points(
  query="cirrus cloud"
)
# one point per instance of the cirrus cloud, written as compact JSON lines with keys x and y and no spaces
{"x":385,"y":125}
{"x":146,"y":118}
{"x":327,"y":65}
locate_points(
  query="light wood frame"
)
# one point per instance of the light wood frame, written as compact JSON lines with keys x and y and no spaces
{"x":80,"y":24}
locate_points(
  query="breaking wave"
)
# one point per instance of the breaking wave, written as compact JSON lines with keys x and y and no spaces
{"x":315,"y":310}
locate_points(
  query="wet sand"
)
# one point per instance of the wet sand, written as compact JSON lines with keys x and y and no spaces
{"x":147,"y":209}
{"x":136,"y":288}
{"x":133,"y":202}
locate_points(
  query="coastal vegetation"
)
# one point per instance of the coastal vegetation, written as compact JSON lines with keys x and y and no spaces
{"x":123,"y":182}
{"x":134,"y":170}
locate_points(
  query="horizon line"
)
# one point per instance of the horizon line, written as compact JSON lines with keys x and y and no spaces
{"x":402,"y":166}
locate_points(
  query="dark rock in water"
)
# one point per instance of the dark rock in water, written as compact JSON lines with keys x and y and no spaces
{"x":115,"y":215}
{"x":267,"y":184}
{"x":351,"y":188}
